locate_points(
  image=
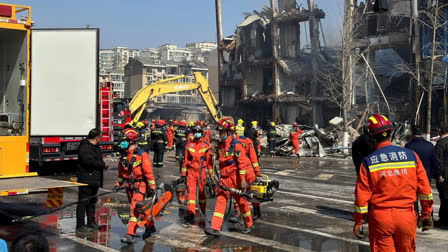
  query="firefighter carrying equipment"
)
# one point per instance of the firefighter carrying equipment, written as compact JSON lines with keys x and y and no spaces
{"x":135,"y":171}
{"x":233,"y":164}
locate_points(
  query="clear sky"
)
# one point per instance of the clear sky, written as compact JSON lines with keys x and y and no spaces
{"x":150,"y":23}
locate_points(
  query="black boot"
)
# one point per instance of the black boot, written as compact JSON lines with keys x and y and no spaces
{"x":189,"y":218}
{"x":257,"y":213}
{"x":128,"y":238}
{"x":209,"y":231}
{"x":248,"y":229}
{"x":148,"y":232}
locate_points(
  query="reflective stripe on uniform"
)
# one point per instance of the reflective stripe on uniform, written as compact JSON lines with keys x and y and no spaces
{"x":183,"y":170}
{"x":220,"y":215}
{"x":191,"y":149}
{"x":359,"y":209}
{"x":202,"y":201}
{"x":151,"y":182}
{"x":246,"y":214}
{"x":229,"y":154}
{"x":191,"y":202}
{"x":242,"y":172}
{"x":137,"y":163}
{"x":157,"y":131}
{"x":120,"y":180}
{"x":203,"y":150}
{"x":133,"y":219}
{"x":388,"y":166}
{"x":254,"y":164}
{"x":425,"y":196}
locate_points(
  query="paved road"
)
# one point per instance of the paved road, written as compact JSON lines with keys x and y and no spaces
{"x":311,"y":212}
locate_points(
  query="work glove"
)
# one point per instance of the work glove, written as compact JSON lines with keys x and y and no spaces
{"x":258,"y":174}
{"x":182,"y":180}
{"x":115,"y":189}
{"x":358,"y":230}
{"x":150,"y":192}
{"x":243,"y":184}
{"x":425,"y":222}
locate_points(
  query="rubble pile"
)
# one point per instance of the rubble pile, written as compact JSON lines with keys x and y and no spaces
{"x":313,"y":142}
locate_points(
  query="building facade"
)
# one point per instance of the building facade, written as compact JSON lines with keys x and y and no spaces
{"x":116,"y":58}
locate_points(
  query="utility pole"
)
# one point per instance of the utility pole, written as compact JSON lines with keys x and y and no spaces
{"x":274,"y":62}
{"x":315,"y":50}
{"x":219,"y":48}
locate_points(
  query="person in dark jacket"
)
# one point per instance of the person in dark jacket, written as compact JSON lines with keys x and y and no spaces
{"x":90,"y":172}
{"x":361,"y":148}
{"x":159,"y":141}
{"x":272,"y":138}
{"x":424,"y":150}
{"x":442,"y":173}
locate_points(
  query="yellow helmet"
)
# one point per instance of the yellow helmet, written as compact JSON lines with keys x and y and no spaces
{"x":272,"y":123}
{"x":140,"y":125}
{"x":240,"y":121}
{"x":254,"y":123}
{"x":190,"y":123}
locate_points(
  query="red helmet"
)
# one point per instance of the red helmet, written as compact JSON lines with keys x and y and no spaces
{"x":160,"y":122}
{"x":294,"y":124}
{"x":153,"y":121}
{"x":181,"y":193}
{"x":225,"y":124}
{"x":378,"y":123}
{"x":182,"y":123}
{"x":176,"y":122}
{"x":198,"y":122}
{"x":131,"y":134}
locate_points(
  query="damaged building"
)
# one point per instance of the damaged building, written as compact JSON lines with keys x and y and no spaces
{"x":279,"y":79}
{"x":264,"y":81}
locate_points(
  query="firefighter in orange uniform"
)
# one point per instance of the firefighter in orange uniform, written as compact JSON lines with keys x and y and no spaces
{"x":134,"y":169}
{"x":387,"y":182}
{"x":197,"y":157}
{"x":233,"y":165}
{"x":169,"y":135}
{"x":294,"y":135}
{"x":252,"y":172}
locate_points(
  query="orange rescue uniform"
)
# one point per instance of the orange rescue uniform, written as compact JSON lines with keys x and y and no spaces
{"x":136,"y":180}
{"x":233,"y":165}
{"x":169,"y":136}
{"x":197,"y":153}
{"x":387,"y":182}
{"x":294,"y":135}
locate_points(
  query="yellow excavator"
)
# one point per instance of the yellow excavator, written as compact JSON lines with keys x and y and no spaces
{"x":138,"y":103}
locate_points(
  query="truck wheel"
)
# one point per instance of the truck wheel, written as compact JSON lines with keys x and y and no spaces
{"x":30,"y":243}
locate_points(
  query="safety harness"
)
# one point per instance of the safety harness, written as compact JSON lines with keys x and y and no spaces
{"x":130,"y":165}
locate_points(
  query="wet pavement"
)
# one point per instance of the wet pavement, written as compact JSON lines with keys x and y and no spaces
{"x":311,"y":212}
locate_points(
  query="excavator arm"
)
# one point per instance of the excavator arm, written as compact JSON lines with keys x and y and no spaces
{"x":138,"y":102}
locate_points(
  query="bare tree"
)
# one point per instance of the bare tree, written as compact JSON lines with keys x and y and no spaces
{"x":432,"y":18}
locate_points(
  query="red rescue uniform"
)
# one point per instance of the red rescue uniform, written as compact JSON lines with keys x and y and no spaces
{"x":294,"y":135}
{"x":135,"y":180}
{"x":169,"y":136}
{"x":387,"y":182}
{"x":197,"y":153}
{"x":233,"y":165}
